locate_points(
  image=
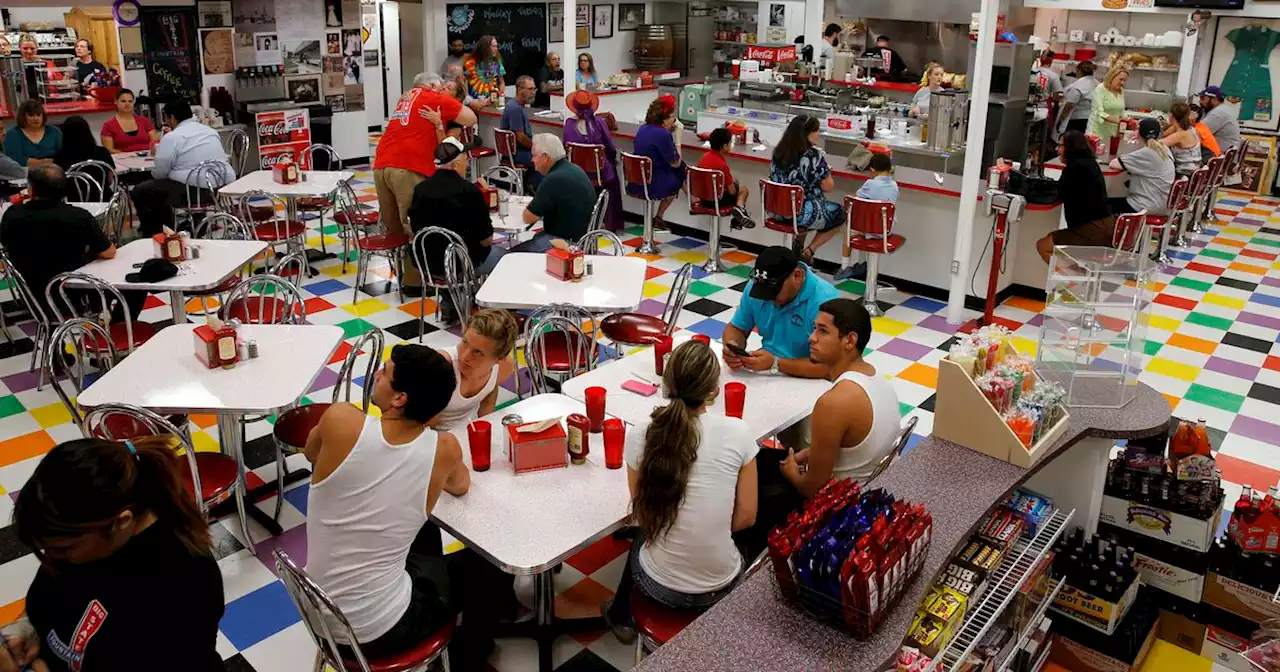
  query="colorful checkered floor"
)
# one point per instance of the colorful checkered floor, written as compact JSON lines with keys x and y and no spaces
{"x":1213,"y":347}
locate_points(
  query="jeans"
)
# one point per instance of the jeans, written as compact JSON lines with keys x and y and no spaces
{"x":540,"y":242}
{"x":155,"y":200}
{"x":777,"y":498}
{"x":620,"y":610}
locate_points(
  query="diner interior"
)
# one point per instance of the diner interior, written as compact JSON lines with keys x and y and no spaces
{"x":1019,"y":258}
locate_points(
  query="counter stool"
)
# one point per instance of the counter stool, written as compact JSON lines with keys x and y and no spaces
{"x":590,"y":158}
{"x":637,"y":171}
{"x":1127,"y":234}
{"x":1176,"y":206}
{"x":475,"y":153}
{"x":781,"y":205}
{"x":507,"y":148}
{"x":656,"y":624}
{"x":1204,"y":208}
{"x":1196,"y":190}
{"x":1233,"y":169}
{"x":707,"y":186}
{"x":870,"y":226}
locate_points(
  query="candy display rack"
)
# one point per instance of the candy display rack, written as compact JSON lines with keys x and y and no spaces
{"x":1093,"y":334}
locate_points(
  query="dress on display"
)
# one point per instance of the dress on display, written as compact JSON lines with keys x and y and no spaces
{"x":1249,"y":77}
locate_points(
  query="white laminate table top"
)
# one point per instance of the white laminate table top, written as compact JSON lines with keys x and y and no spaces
{"x":774,"y":403}
{"x":163,"y":374}
{"x":513,"y":221}
{"x":132,"y":162}
{"x":520,"y":281}
{"x":219,"y":259}
{"x":318,"y":183}
{"x":528,"y":523}
{"x":95,"y":208}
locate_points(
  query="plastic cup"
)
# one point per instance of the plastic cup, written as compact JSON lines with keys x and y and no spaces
{"x":660,"y":351}
{"x":735,"y":397}
{"x":615,"y":434}
{"x":480,"y":436}
{"x":595,"y":407}
{"x":702,"y":337}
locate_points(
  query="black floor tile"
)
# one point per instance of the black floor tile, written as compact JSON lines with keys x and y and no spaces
{"x":259,"y":452}
{"x":1265,"y":393}
{"x":586,"y":661}
{"x":19,"y":346}
{"x":380,"y":288}
{"x":1247,"y":342}
{"x":409,"y":330}
{"x":740,"y":287}
{"x":237,"y":663}
{"x":225,"y":544}
{"x":10,"y":547}
{"x":706,"y":307}
{"x":946,"y":345}
{"x":1237,"y":284}
{"x":928,"y":404}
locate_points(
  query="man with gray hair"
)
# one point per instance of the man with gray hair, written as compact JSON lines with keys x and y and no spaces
{"x":406,"y":155}
{"x":515,"y":118}
{"x":564,"y":200}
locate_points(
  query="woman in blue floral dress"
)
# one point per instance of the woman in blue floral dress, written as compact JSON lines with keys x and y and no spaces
{"x":798,"y":161}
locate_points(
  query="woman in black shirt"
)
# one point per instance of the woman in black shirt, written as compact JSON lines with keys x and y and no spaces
{"x":127,"y":580}
{"x":1083,"y":192}
{"x":78,"y":144}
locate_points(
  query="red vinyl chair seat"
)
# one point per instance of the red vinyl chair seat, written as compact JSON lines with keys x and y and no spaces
{"x":779,"y":225}
{"x":557,"y":357}
{"x":142,"y":332}
{"x":1157,"y":222}
{"x":261,"y":213}
{"x":294,"y":425}
{"x":413,"y":658}
{"x":217,"y":475}
{"x":657,"y":622}
{"x":875,"y":245}
{"x":362,"y":217}
{"x":247,"y":310}
{"x":383,"y":242}
{"x":315,"y":203}
{"x":700,"y":209}
{"x":482,"y":152}
{"x":226,"y":286}
{"x":633,"y":328}
{"x":118,"y":426}
{"x":267,"y":233}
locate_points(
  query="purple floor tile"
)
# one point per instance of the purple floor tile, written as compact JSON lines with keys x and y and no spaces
{"x":651,"y":307}
{"x":1255,"y":429}
{"x":293,"y":541}
{"x":327,"y":378}
{"x":1036,"y":321}
{"x":21,"y":381}
{"x":29,"y":328}
{"x":905,"y":349}
{"x":1271,"y":281}
{"x":1259,"y":320}
{"x":1232,"y":368}
{"x":939,"y":323}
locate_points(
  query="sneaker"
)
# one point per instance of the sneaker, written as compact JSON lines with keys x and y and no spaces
{"x":735,"y":222}
{"x":857,"y":271}
{"x":625,"y":633}
{"x":745,"y":217}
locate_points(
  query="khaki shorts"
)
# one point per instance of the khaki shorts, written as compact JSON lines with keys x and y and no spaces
{"x":395,"y":193}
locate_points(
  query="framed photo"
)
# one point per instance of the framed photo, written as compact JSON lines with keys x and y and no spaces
{"x":134,"y":62}
{"x":601,"y":21}
{"x":337,"y":103}
{"x":303,"y":89}
{"x":302,"y":58}
{"x":630,"y":17}
{"x":555,"y":22}
{"x":217,"y":51}
{"x":777,"y":15}
{"x":214,"y":14}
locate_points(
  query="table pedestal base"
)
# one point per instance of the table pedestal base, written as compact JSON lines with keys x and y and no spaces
{"x":229,"y":438}
{"x":545,"y":627}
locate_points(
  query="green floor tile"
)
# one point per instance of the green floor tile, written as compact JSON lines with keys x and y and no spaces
{"x":1215,"y":398}
{"x":704,"y":289}
{"x":634,"y":230}
{"x":1192,"y":284}
{"x":1211,"y":321}
{"x":743,"y":271}
{"x":9,"y":405}
{"x":1151,"y":347}
{"x":356,"y":327}
{"x":855,"y":287}
{"x":1259,"y":240}
{"x":1217,"y":254}
{"x":905,"y":409}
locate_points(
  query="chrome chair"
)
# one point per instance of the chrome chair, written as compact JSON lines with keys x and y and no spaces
{"x":328,"y":627}
{"x":275,"y":229}
{"x":19,"y":287}
{"x":462,"y":279}
{"x":124,"y":335}
{"x":899,"y":444}
{"x":202,"y":190}
{"x":432,"y":277}
{"x":265,"y":299}
{"x":1127,"y":235}
{"x":319,"y":204}
{"x":354,"y":230}
{"x":590,"y":243}
{"x":83,"y":187}
{"x":558,"y":346}
{"x":211,"y":477}
{"x":67,"y":359}
{"x":1164,"y":225}
{"x":221,"y":226}
{"x":1196,"y":192}
{"x":237,"y":148}
{"x":501,"y":174}
{"x":590,"y":158}
{"x":476,"y":153}
{"x":353,"y":218}
{"x":1203,"y":209}
{"x":600,"y":212}
{"x":106,"y":177}
{"x":291,"y":267}
{"x":637,"y":329}
{"x":781,"y":204}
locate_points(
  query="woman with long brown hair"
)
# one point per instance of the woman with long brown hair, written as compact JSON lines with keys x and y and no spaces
{"x":1183,"y":141}
{"x":486,"y":74}
{"x":797,"y":160}
{"x":127,"y":579}
{"x":692,"y":476}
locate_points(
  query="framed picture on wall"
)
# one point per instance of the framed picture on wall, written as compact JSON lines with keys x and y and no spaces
{"x":630,"y":16}
{"x":214,"y":14}
{"x":303,"y":89}
{"x":601,"y":21}
{"x":1239,"y":50}
{"x":555,"y":22}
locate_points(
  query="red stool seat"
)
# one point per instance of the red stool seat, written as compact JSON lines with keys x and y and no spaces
{"x":226,"y":286}
{"x":142,"y":332}
{"x":558,"y":352}
{"x":875,"y":245}
{"x":217,"y":475}
{"x":1157,"y":222}
{"x":779,"y":225}
{"x":699,"y":209}
{"x":657,"y":622}
{"x":261,"y":213}
{"x":267,"y":233}
{"x":482,"y":152}
{"x":315,"y":203}
{"x":383,"y":242}
{"x":362,"y":218}
{"x":294,"y":425}
{"x":247,"y":310}
{"x":633,"y":328}
{"x":412,"y":659}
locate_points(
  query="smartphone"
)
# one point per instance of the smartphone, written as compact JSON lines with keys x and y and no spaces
{"x":741,"y":352}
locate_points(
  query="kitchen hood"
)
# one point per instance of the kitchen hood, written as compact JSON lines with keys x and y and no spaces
{"x":930,"y":11}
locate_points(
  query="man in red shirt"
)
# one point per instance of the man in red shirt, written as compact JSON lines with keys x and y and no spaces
{"x":406,"y":155}
{"x":735,"y":195}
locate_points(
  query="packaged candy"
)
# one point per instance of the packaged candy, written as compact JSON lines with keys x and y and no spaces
{"x":1023,"y":427}
{"x":965,"y":356}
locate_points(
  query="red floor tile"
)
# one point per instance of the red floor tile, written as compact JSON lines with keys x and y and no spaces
{"x":1205,"y":268}
{"x":1175,"y":301}
{"x":599,"y":554}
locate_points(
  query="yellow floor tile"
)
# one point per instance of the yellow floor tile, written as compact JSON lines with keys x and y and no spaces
{"x":888,"y":326}
{"x":1167,"y":367}
{"x":646,"y":257}
{"x":1162,"y":322}
{"x":204,"y":442}
{"x":366,"y":307}
{"x":51,"y":415}
{"x":1025,"y":346}
{"x":1237,"y":231}
{"x":690,"y":257}
{"x":1224,"y":301}
{"x":652,"y":289}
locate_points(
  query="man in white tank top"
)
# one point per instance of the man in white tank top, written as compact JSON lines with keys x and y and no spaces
{"x":481,"y":361}
{"x":373,"y":485}
{"x":856,"y":421}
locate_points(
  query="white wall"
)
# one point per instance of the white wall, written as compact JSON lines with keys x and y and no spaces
{"x":795,"y":21}
{"x":19,"y":15}
{"x":375,"y":111}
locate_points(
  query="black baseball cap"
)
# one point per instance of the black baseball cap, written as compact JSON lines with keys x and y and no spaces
{"x":773,"y":267}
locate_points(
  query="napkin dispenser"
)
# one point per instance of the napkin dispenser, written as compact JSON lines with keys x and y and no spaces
{"x":206,"y":346}
{"x":535,"y":446}
{"x":285,"y":172}
{"x":568,"y":265}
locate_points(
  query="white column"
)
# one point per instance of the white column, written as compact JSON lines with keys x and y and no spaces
{"x":980,"y":88}
{"x":1187,"y":64}
{"x":569,"y":59}
{"x":814,"y":22}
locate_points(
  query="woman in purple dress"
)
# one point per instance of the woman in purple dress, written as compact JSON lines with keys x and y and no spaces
{"x":587,"y":129}
{"x":654,"y":140}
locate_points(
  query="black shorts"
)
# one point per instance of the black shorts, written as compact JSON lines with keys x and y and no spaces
{"x":727,"y":199}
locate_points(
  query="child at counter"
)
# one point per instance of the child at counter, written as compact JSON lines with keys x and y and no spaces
{"x":881,"y":187}
{"x":735,"y":195}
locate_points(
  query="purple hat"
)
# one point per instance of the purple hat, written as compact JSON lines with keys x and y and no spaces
{"x":1213,"y":91}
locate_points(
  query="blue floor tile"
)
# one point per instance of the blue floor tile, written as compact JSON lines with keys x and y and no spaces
{"x":298,"y":497}
{"x":327,"y":287}
{"x":258,"y":615}
{"x":686,"y":243}
{"x":922,"y":304}
{"x":708,"y":327}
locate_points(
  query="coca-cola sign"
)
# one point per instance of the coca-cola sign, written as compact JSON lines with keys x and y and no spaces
{"x":270,"y":155}
{"x":771,"y":55}
{"x":283,"y":126}
{"x":837,"y":122}
{"x":272,"y":129}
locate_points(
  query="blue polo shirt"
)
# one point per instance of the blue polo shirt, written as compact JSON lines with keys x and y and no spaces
{"x":785,"y":329}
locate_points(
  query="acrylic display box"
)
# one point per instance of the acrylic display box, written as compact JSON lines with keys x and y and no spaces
{"x":1093,"y":337}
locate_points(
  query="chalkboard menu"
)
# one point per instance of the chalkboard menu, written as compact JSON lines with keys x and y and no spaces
{"x":520,"y":27}
{"x":171,"y":50}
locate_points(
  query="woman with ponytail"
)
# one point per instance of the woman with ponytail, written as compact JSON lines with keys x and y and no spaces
{"x":692,"y":476}
{"x":127,"y":580}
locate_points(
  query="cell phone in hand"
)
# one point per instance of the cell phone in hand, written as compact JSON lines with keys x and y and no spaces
{"x":741,"y":352}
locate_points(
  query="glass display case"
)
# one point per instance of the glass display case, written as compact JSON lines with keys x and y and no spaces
{"x":57,"y":84}
{"x":1093,"y":337}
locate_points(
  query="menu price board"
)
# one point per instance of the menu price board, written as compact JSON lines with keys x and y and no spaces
{"x":171,"y":51}
{"x":283,"y":133}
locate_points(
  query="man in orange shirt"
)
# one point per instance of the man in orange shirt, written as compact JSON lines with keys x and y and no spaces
{"x":406,"y":155}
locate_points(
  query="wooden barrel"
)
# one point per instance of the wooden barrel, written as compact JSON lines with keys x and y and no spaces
{"x":653,"y":47}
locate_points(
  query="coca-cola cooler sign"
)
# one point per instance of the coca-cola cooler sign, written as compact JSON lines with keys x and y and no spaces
{"x":771,"y":55}
{"x":283,"y":133}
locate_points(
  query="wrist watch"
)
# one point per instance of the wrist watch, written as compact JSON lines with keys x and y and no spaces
{"x":774,"y":369}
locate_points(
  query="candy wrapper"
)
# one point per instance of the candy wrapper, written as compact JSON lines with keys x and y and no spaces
{"x":965,"y":355}
{"x":1023,"y":426}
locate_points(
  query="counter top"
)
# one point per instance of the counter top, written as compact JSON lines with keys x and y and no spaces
{"x":1104,"y":164}
{"x":614,"y":92}
{"x":86,"y":106}
{"x":959,"y":486}
{"x":898,"y":87}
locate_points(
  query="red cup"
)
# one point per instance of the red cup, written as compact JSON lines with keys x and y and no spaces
{"x":735,"y":397}
{"x":595,"y":407}
{"x":702,"y":337}
{"x":660,"y":351}
{"x":480,"y":436}
{"x":615,"y":434}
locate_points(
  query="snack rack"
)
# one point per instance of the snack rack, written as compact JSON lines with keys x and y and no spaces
{"x":1093,"y":336}
{"x":57,"y":84}
{"x":1007,"y":581}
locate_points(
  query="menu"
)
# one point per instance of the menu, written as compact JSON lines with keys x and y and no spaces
{"x":171,"y":51}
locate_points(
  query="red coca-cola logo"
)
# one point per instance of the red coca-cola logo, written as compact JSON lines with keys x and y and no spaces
{"x":271,"y":129}
{"x":839,"y":123}
{"x":269,"y":160}
{"x":768,"y":55}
